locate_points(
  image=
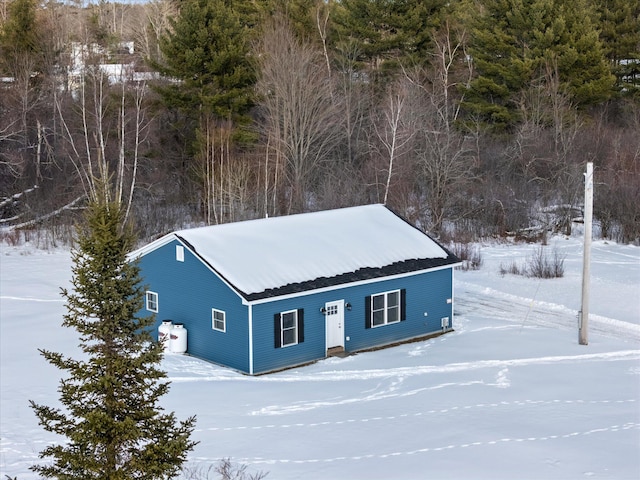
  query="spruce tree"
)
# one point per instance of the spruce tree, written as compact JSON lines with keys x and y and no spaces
{"x":113,"y":423}
{"x":208,"y":50}
{"x":388,"y":34}
{"x":620,"y":34}
{"x":515,"y":41}
{"x":19,"y":41}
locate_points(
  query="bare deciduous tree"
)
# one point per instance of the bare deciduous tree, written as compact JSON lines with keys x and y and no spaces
{"x":157,"y":16}
{"x":353,"y":97}
{"x":90,"y":149}
{"x":3,"y":10}
{"x":323,"y":9}
{"x":443,"y":153}
{"x":393,"y":129}
{"x":543,"y":150}
{"x":226,"y":177}
{"x":300,"y":115}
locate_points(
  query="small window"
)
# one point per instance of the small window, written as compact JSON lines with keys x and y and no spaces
{"x":385,"y":308}
{"x":218,"y":320}
{"x":151,"y":299}
{"x":288,"y":328}
{"x":332,"y":310}
{"x":179,"y":253}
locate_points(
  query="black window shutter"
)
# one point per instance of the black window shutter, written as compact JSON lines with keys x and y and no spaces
{"x":300,"y":325}
{"x":277,"y":331}
{"x":367,"y":312}
{"x":403,"y":304}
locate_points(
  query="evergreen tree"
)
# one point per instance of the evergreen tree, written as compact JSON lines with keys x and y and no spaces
{"x":301,"y":15}
{"x":620,"y":34}
{"x":19,"y":40}
{"x":113,"y":423}
{"x":515,"y":43}
{"x":27,"y":57}
{"x":388,"y":33}
{"x":208,"y":50}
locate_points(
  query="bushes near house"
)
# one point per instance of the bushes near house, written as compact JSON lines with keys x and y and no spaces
{"x":540,"y":264}
{"x":469,"y":254}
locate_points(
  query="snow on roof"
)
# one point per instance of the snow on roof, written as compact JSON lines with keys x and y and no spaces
{"x":266,"y":254}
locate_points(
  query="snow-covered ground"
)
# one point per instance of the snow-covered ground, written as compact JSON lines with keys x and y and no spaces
{"x":510,"y":394}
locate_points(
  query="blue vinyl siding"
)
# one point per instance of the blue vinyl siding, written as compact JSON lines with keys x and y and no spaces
{"x":187,"y":291}
{"x":266,"y":356}
{"x":426,"y":292}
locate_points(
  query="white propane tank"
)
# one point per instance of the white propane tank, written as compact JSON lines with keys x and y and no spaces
{"x":178,"y":338}
{"x":164,"y":334}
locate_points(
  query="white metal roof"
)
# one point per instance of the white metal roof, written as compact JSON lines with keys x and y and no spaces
{"x":269,"y":253}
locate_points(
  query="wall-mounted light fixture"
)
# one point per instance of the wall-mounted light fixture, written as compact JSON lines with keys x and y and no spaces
{"x":347,"y":306}
{"x":323,"y":310}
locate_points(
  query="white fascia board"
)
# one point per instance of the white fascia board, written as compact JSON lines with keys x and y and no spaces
{"x":348,"y":285}
{"x":150,"y":247}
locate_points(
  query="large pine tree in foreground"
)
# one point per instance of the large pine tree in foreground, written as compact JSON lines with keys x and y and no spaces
{"x":113,"y":423}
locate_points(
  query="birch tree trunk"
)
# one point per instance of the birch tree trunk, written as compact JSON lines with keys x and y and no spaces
{"x":301,"y":116}
{"x":392,"y":131}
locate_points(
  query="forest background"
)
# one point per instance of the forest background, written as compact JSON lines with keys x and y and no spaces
{"x":471,"y":118}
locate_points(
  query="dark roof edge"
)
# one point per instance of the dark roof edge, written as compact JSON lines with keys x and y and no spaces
{"x":368,"y":273}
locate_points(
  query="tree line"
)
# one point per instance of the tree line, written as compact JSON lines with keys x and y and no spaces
{"x":469,"y":117}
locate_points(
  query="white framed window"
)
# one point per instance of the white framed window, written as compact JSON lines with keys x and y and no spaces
{"x":179,"y":253}
{"x":151,"y":301}
{"x":385,"y":308}
{"x":218,"y":320}
{"x":288,"y":328}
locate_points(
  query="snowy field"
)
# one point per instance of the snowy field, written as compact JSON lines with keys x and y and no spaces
{"x":508,"y":395}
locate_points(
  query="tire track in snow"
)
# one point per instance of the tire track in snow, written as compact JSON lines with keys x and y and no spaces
{"x":437,"y":411}
{"x":527,"y":311}
{"x":406,"y":372}
{"x":30,"y":299}
{"x":594,"y":431}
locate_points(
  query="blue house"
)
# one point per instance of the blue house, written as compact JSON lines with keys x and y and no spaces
{"x":268,"y":294}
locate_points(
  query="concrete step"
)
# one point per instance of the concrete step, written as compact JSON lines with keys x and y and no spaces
{"x":336,"y":352}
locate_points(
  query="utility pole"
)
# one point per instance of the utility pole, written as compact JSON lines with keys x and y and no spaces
{"x":583,"y":326}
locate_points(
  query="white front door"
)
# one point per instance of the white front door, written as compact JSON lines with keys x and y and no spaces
{"x":334,"y":314}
